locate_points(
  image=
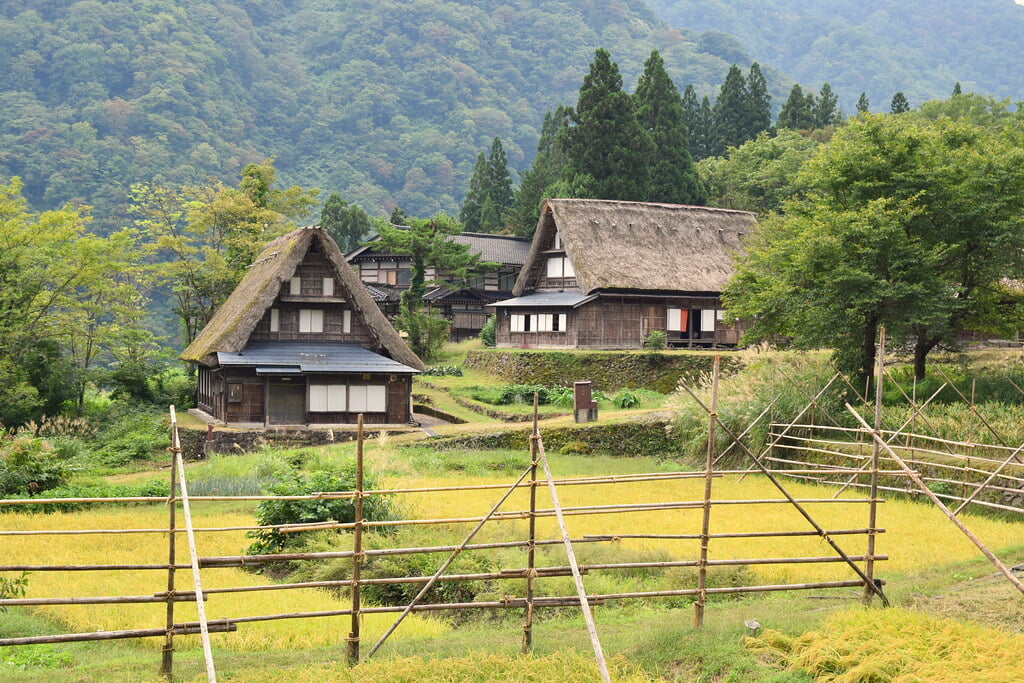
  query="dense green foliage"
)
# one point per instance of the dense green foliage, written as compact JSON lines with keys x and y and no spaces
{"x":304,"y":511}
{"x":488,"y":203}
{"x":384,"y":102}
{"x":346,"y":223}
{"x":906,"y":222}
{"x":918,"y":46}
{"x":28,"y":465}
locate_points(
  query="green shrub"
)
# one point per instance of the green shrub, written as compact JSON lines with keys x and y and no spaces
{"x":424,"y":565}
{"x":34,"y":656}
{"x":13,"y":588}
{"x":275,"y":512}
{"x":28,"y":465}
{"x":575,"y":448}
{"x":134,"y":435}
{"x":489,"y":332}
{"x":173,"y":387}
{"x":626,"y":399}
{"x":655,"y":339}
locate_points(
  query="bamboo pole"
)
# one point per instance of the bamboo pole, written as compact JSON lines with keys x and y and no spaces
{"x":204,"y":631}
{"x":775,"y":482}
{"x":709,"y":464}
{"x":988,"y":481}
{"x":869,"y":564}
{"x":179,"y":629}
{"x":953,"y":518}
{"x":167,"y":658}
{"x":588,"y":616}
{"x":531,"y":553}
{"x":444,"y":565}
{"x":357,"y":549}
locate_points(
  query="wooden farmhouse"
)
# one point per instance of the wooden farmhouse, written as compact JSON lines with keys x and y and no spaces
{"x":604,"y":274}
{"x":301,"y":342}
{"x":387,"y":275}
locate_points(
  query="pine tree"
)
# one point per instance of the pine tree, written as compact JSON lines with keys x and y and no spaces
{"x":537,"y":183}
{"x":759,"y":115}
{"x":469,"y":215}
{"x":704,"y":134}
{"x":825,"y":111}
{"x":691,"y":110}
{"x":606,"y":149}
{"x":731,"y":112}
{"x":398,"y":217}
{"x":796,"y":112}
{"x":490,"y":218}
{"x":863,"y":103}
{"x":957,"y":90}
{"x":899,"y":103}
{"x":499,"y":185}
{"x":659,"y":109}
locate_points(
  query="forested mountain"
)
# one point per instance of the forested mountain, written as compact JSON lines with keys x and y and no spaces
{"x":880,"y":47}
{"x":383,"y":101}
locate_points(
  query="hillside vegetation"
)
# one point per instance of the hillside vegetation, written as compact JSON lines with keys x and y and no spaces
{"x":919,"y":47}
{"x":385,"y":102}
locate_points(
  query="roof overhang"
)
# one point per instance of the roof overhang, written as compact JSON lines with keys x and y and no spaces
{"x":293,"y":358}
{"x":560,"y":299}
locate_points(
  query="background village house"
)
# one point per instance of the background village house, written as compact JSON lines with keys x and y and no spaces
{"x":387,"y":275}
{"x":300,"y":341}
{"x":604,"y":274}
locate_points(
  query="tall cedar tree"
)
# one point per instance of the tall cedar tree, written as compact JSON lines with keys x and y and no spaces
{"x":826,"y":111}
{"x":659,"y":109}
{"x":691,"y":110}
{"x":606,"y":149}
{"x":731,"y":112}
{"x":705,"y":130}
{"x":796,"y":113}
{"x":469,"y":215}
{"x":499,"y":183}
{"x":899,"y":104}
{"x":346,"y":223}
{"x":759,"y":102}
{"x":863,"y":104}
{"x":537,"y":183}
{"x":957,"y":89}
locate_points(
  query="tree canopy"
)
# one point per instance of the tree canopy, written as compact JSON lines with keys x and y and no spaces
{"x":906,"y":222}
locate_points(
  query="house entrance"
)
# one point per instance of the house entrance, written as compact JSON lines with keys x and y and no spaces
{"x":287,"y":403}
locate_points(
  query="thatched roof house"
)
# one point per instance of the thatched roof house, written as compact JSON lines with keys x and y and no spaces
{"x":300,"y":340}
{"x":605,"y":274}
{"x":386,"y":275}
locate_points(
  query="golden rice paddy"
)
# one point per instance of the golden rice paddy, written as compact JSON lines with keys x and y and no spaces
{"x":917,"y":536}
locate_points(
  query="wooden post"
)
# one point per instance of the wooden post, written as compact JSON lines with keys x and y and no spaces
{"x":357,"y":548}
{"x":869,"y":563}
{"x":705,"y":528}
{"x":167,"y":662}
{"x":970,"y":442}
{"x":531,"y":553}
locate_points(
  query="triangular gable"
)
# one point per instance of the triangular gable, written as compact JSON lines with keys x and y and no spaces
{"x":233,"y":323}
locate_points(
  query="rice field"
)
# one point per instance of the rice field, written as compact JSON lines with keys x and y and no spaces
{"x":897,"y":645}
{"x":152,"y":548}
{"x":917,"y":535}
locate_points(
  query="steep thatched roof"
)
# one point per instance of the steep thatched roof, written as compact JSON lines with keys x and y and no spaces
{"x":233,"y":323}
{"x":617,"y":245}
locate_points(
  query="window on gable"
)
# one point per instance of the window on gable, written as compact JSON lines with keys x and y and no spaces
{"x":328,"y":289}
{"x":295,"y":286}
{"x":275,"y":320}
{"x":560,"y":266}
{"x":346,"y":321}
{"x":311,"y":321}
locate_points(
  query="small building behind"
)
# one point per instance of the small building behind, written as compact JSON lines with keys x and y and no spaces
{"x":604,"y":274}
{"x":387,"y":275}
{"x":300,"y":341}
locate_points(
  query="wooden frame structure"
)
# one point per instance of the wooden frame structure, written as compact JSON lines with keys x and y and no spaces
{"x":528,"y":479}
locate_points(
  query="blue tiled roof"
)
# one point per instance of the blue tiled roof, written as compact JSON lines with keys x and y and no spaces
{"x":311,"y":357}
{"x":572,"y":297}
